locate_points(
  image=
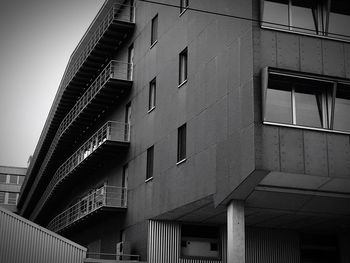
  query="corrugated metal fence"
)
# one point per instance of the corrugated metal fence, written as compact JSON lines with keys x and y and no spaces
{"x":22,"y":241}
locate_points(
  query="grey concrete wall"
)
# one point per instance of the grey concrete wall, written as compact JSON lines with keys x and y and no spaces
{"x":296,"y":150}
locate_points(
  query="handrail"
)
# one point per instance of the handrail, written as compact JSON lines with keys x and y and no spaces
{"x":114,"y":131}
{"x":110,"y":257}
{"x":114,"y":69}
{"x":114,"y":13}
{"x":105,"y":196}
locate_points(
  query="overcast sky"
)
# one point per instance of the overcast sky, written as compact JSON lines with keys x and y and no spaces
{"x":36,"y":39}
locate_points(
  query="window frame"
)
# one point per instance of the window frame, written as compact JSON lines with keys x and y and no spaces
{"x":152,"y":95}
{"x":154,"y":30}
{"x":301,"y":75}
{"x":322,"y":23}
{"x":181,"y":144}
{"x":183,"y":67}
{"x":150,"y":163}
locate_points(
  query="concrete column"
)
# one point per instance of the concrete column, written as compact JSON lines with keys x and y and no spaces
{"x":235,"y":232}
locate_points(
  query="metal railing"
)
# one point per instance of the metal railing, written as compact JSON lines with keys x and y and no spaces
{"x":114,"y":70}
{"x":110,"y":258}
{"x":118,"y":12}
{"x":113,"y":131}
{"x":106,"y":196}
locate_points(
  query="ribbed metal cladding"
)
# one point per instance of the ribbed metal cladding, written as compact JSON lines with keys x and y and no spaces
{"x":272,"y":246}
{"x":23,"y":241}
{"x":164,"y":244}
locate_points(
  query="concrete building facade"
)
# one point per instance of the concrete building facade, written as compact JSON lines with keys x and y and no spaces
{"x":11,"y":180}
{"x":195,"y":131}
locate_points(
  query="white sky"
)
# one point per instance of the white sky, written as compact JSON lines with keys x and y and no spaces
{"x":36,"y":39}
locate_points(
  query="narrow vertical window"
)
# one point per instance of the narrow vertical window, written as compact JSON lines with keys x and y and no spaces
{"x":183,"y":67}
{"x":183,"y":5}
{"x":154,"y":30}
{"x":2,"y":197}
{"x":149,"y":169}
{"x":181,"y":143}
{"x":152,"y":95}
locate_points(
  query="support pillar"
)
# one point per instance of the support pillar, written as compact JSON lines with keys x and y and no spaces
{"x":235,"y":232}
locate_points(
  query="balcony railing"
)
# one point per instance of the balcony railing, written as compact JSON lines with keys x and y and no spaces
{"x":106,"y":196}
{"x":115,"y":70}
{"x":117,"y":12}
{"x":111,"y":131}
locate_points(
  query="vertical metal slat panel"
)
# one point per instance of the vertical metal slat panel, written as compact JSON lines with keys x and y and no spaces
{"x":272,"y":246}
{"x":23,"y":241}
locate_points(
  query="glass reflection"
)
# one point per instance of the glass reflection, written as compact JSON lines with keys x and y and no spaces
{"x":342,"y":108}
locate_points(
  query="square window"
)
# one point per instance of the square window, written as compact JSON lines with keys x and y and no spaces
{"x":183,"y":66}
{"x":183,"y":5}
{"x":154,"y":30}
{"x":181,"y":143}
{"x":306,"y":100}
{"x":149,"y":168}
{"x":2,"y":197}
{"x":13,"y":179}
{"x":12,"y":198}
{"x":3,"y":178}
{"x":152,"y":95}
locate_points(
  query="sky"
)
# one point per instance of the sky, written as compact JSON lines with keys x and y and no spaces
{"x":37,"y":38}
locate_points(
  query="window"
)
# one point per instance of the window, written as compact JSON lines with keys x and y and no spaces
{"x":183,"y":5}
{"x":319,"y":17}
{"x":149,"y":168}
{"x":152,"y":95}
{"x":306,"y":100}
{"x":200,"y":242}
{"x":183,"y":67}
{"x":21,"y":180}
{"x":154,"y":30}
{"x":181,"y":143}
{"x":2,"y":197}
{"x":13,"y":179}
{"x":3,"y":178}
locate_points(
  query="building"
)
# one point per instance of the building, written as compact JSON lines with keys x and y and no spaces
{"x":192,"y":135}
{"x":11,"y":180}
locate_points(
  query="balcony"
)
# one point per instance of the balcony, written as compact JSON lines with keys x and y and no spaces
{"x":111,"y":137}
{"x":110,"y":29}
{"x":106,"y":197}
{"x":113,"y":82}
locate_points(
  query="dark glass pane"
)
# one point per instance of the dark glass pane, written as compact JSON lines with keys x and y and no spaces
{"x":342,"y":108}
{"x":3,"y":178}
{"x":154,"y":30}
{"x":181,"y":143}
{"x":149,"y":172}
{"x":302,"y":16}
{"x":278,"y":101}
{"x":2,"y":197}
{"x":308,"y":106}
{"x":276,"y":12}
{"x":13,"y":179}
{"x":339,"y":19}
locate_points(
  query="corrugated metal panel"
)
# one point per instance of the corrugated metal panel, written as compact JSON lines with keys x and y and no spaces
{"x":22,"y":241}
{"x":164,"y":244}
{"x":271,"y":246}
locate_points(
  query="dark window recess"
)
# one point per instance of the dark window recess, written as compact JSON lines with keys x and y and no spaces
{"x":154,"y":30}
{"x":183,"y":5}
{"x":306,"y":100}
{"x":198,"y":241}
{"x":181,"y":143}
{"x":183,"y":66}
{"x":3,"y":178}
{"x":152,"y":94}
{"x":319,"y":248}
{"x":150,"y":156}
